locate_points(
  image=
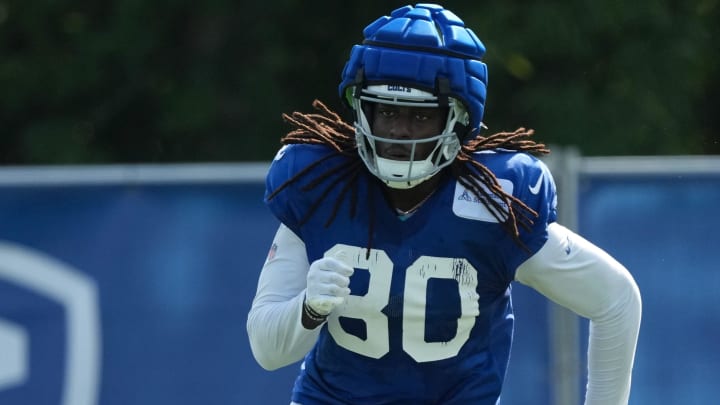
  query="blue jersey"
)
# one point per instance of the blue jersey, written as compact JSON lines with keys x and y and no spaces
{"x":429,"y":319}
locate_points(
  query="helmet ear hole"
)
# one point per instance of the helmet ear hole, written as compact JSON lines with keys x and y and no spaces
{"x":461,"y":130}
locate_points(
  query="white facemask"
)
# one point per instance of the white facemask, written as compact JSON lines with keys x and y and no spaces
{"x":403,"y":174}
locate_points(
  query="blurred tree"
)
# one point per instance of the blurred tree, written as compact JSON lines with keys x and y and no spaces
{"x":172,"y":80}
{"x":610,"y":77}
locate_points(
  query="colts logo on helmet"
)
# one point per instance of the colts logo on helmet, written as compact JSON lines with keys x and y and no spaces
{"x":395,"y":87}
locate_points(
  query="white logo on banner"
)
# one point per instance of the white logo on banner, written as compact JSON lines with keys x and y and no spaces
{"x":13,"y":352}
{"x":77,"y":293}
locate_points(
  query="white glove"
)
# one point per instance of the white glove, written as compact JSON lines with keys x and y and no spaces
{"x":327,"y":284}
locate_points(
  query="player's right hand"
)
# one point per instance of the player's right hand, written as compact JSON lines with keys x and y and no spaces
{"x":327,"y":284}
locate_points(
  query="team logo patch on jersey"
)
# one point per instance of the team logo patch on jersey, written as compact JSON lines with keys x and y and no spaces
{"x":467,"y":205}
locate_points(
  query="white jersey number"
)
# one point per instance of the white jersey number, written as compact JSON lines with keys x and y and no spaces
{"x":368,"y":307}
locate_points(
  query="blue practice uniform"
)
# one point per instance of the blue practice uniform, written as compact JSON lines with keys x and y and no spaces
{"x":429,"y":319}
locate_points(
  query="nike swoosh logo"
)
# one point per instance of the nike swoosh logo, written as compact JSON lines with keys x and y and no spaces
{"x":536,"y":188}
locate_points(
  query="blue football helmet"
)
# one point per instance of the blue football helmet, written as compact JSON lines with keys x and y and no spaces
{"x":420,"y":56}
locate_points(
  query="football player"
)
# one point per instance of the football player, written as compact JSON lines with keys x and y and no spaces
{"x":402,"y":232}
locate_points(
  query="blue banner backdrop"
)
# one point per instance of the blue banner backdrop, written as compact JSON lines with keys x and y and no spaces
{"x":137,"y":294}
{"x":666,"y":230}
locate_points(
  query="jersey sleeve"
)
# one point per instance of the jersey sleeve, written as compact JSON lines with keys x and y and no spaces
{"x":539,"y":192}
{"x":281,"y":204}
{"x":290,"y":185}
{"x":283,"y":193}
{"x":535,"y":187}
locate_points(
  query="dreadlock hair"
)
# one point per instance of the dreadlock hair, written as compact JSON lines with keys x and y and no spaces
{"x":328,"y":128}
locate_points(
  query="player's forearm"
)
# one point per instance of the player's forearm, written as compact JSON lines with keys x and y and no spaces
{"x":276,"y":333}
{"x":277,"y":337}
{"x":580,"y":276}
{"x":611,"y":351}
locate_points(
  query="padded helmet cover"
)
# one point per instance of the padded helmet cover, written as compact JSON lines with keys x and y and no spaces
{"x":425,"y":47}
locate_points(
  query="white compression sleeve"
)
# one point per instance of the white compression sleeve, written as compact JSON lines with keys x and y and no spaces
{"x":578,"y":275}
{"x":277,"y":337}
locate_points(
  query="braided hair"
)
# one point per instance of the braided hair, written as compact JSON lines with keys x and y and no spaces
{"x":326,"y":127}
